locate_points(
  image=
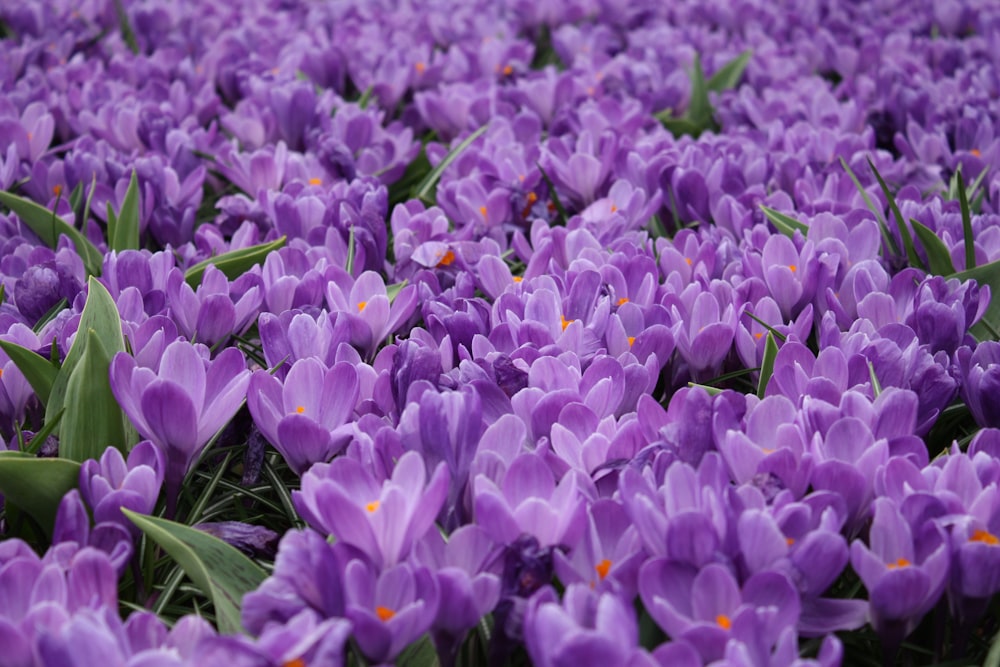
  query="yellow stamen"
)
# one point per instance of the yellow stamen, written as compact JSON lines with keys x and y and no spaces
{"x":300,"y":409}
{"x":315,"y":181}
{"x":420,"y":67}
{"x":985,"y":537}
{"x":976,"y":152}
{"x":297,"y":662}
{"x":622,"y":300}
{"x":631,"y":339}
{"x":482,"y":211}
{"x":793,"y":268}
{"x":361,"y":305}
{"x":372,"y":506}
{"x":603,"y":568}
{"x":759,"y":335}
{"x":900,"y":562}
{"x":447,"y":259}
{"x":723,"y":621}
{"x":518,"y":279}
{"x":384,"y":613}
{"x":565,"y":322}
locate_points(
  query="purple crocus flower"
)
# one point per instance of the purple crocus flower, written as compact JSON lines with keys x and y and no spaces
{"x":980,"y":372}
{"x":182,"y":403}
{"x":905,"y":571}
{"x":586,"y":628}
{"x":111,"y":484}
{"x":367,"y":302}
{"x":390,"y":609}
{"x":381,"y":519}
{"x":218,"y":309}
{"x":307,"y":417}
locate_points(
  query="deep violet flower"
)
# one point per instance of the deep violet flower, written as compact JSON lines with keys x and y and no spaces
{"x":111,"y":484}
{"x":381,"y":519}
{"x":182,"y":403}
{"x":307,"y":417}
{"x":980,"y":373}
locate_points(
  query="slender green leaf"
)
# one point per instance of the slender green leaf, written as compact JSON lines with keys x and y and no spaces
{"x":37,"y":370}
{"x":48,"y":226}
{"x":904,"y":233}
{"x":124,"y":235}
{"x":699,"y":109}
{"x":678,"y":126}
{"x":350,"y":252}
{"x":3,"y":293}
{"x":420,"y":653}
{"x":100,"y":314}
{"x":76,"y":197}
{"x":876,"y":385}
{"x":561,"y":216}
{"x":222,"y":572}
{"x":938,"y":257}
{"x":993,"y":657}
{"x":963,"y":203}
{"x":43,"y":434}
{"x":366,"y":97}
{"x":729,"y":74}
{"x":94,"y":421}
{"x":767,"y":364}
{"x":771,"y":330}
{"x":712,"y":391}
{"x":233,"y":263}
{"x":988,"y":328}
{"x":85,"y":217}
{"x":786,"y":224}
{"x":50,"y":315}
{"x":392,"y":291}
{"x":128,"y":35}
{"x":37,"y":485}
{"x":424,"y":191}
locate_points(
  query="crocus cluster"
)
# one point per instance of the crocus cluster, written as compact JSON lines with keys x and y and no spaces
{"x":597,"y":332}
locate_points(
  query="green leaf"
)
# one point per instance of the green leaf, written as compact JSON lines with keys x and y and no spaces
{"x":235,"y":262}
{"x":428,"y":186}
{"x":767,"y":364}
{"x":988,"y":328}
{"x":904,"y":232}
{"x":963,"y":203}
{"x":48,"y":226}
{"x":729,"y":74}
{"x":39,"y":438}
{"x":392,"y":291}
{"x":37,"y":370}
{"x":100,"y":314}
{"x":771,"y":330}
{"x":123,"y":232}
{"x":50,"y":315}
{"x":876,"y":385}
{"x":712,"y":391}
{"x":128,"y":35}
{"x":37,"y":485}
{"x":94,"y":421}
{"x":677,"y":126}
{"x":366,"y":97}
{"x":786,"y":224}
{"x":420,"y":653}
{"x":993,"y":657}
{"x":938,"y":257}
{"x":699,"y":109}
{"x":350,"y":253}
{"x":222,"y":572}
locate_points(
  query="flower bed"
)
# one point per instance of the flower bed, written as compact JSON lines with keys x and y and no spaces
{"x":581,"y":332}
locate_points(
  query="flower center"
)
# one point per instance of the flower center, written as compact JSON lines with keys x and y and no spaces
{"x":603,"y":568}
{"x":361,"y":305}
{"x":300,"y":409}
{"x":315,"y":181}
{"x":482,"y":211}
{"x":724,"y":621}
{"x":384,"y":613}
{"x":985,"y":537}
{"x":565,"y":322}
{"x":420,"y":67}
{"x":622,"y":300}
{"x":297,"y":662}
{"x":976,"y":152}
{"x":631,"y":339}
{"x":793,"y":268}
{"x":372,"y":506}
{"x":447,"y":259}
{"x":900,"y":562}
{"x":518,"y":279}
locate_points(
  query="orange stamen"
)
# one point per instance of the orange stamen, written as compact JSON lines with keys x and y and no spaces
{"x":793,"y":268}
{"x":361,"y":306}
{"x":976,"y":152}
{"x":508,"y":70}
{"x":984,"y":537}
{"x":789,"y":541}
{"x":518,"y":279}
{"x":613,"y":208}
{"x":297,"y":662}
{"x":315,"y":181}
{"x":384,"y":613}
{"x":900,"y":562}
{"x":565,"y":322}
{"x":622,"y":300}
{"x":603,"y":568}
{"x":631,"y":339}
{"x":300,"y":409}
{"x":688,"y":260}
{"x":420,"y":67}
{"x":372,"y":506}
{"x":57,"y":190}
{"x":724,"y":621}
{"x":447,"y":259}
{"x":482,"y":211}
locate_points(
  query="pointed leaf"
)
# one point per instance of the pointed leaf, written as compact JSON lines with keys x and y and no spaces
{"x":393,"y":290}
{"x":50,"y":315}
{"x":938,"y":257}
{"x":963,"y":203}
{"x":100,"y":314}
{"x":904,"y":233}
{"x":729,"y":74}
{"x":890,"y":243}
{"x":124,"y":234}
{"x":876,"y":385}
{"x":37,"y":370}
{"x":48,"y":227}
{"x":767,"y":364}
{"x":128,"y":35}
{"x":429,"y":184}
{"x":420,"y":653}
{"x":93,"y":421}
{"x":222,"y":572}
{"x":350,"y":253}
{"x":37,"y":485}
{"x":235,"y":262}
{"x":786,"y":224}
{"x":712,"y":391}
{"x":39,"y":438}
{"x":699,"y":109}
{"x":677,"y":126}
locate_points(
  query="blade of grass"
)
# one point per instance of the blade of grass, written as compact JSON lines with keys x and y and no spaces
{"x":904,"y":233}
{"x":963,"y":203}
{"x":429,"y":184}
